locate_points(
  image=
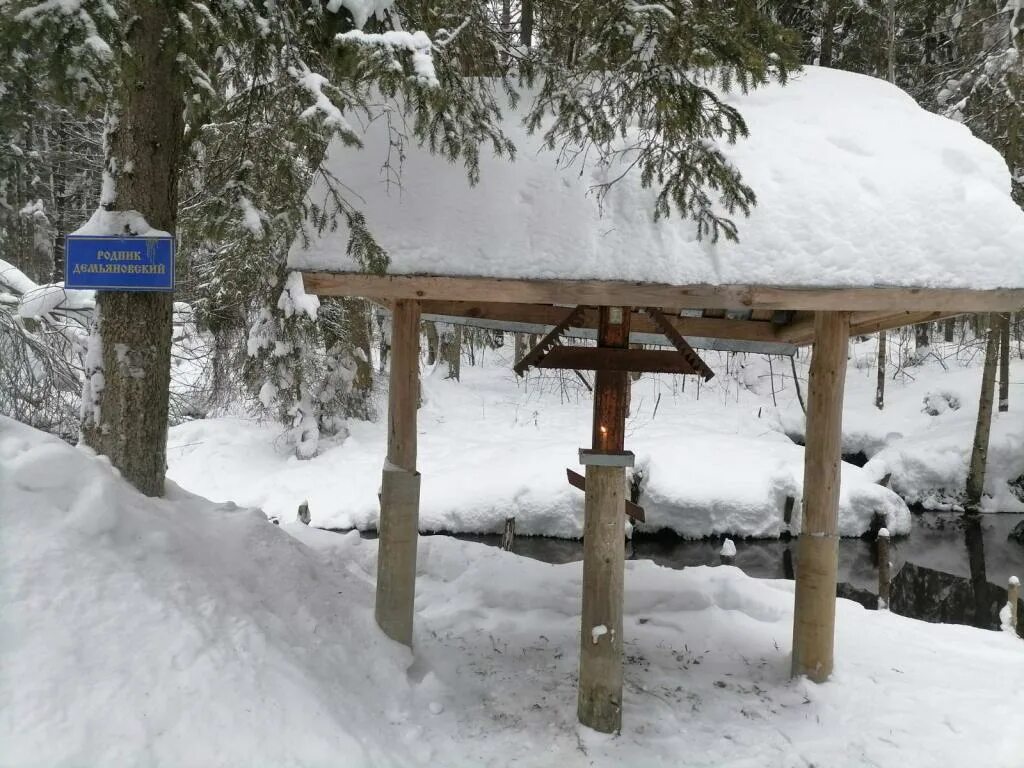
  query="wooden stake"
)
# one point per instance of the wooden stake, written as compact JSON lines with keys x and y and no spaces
{"x":1013,"y":598}
{"x":818,"y":548}
{"x":400,"y":484}
{"x":508,"y":539}
{"x":600,"y":683}
{"x":883,"y":569}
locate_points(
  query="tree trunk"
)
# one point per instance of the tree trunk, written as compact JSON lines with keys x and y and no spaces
{"x":430,"y":330}
{"x":384,"y":346}
{"x":451,"y":351}
{"x":356,"y":343}
{"x":950,"y":328}
{"x":220,"y":379}
{"x":979,"y":452}
{"x":526,"y":23}
{"x":130,"y":424}
{"x":921,"y":342}
{"x":880,"y":385}
{"x":1004,"y":362}
{"x":520,"y":347}
{"x":60,"y":196}
{"x":828,"y":33}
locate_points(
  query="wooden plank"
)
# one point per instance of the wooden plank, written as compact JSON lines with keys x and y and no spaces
{"x":547,"y":314}
{"x":400,"y":484}
{"x":680,"y":344}
{"x":398,"y":533}
{"x":633,"y":511}
{"x":611,"y":384}
{"x":624,"y":360}
{"x":802,"y":330}
{"x":625,"y":293}
{"x":403,"y":390}
{"x":818,"y":548}
{"x":545,"y":345}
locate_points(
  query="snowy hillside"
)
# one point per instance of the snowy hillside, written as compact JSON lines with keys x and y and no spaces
{"x":178,"y":632}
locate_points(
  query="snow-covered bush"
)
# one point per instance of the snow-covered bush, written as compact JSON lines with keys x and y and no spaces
{"x":937,"y":403}
{"x":296,"y":379}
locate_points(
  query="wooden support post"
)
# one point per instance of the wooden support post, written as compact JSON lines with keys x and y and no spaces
{"x":400,"y":485}
{"x":883,"y":569}
{"x":818,"y":549}
{"x":604,"y":553}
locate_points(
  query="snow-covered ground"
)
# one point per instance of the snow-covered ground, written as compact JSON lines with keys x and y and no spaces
{"x":178,"y":632}
{"x":923,"y":436}
{"x":492,"y":448}
{"x":715,"y":458}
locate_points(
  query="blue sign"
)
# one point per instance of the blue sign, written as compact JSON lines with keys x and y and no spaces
{"x":119,"y":263}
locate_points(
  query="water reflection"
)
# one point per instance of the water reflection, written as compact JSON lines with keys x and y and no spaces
{"x":974,"y":538}
{"x":937,"y":541}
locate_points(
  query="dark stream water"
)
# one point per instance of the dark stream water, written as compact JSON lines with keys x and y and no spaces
{"x":936,"y":541}
{"x":979,"y":558}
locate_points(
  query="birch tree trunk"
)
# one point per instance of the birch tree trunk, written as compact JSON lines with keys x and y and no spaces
{"x":880,"y":385}
{"x":130,"y":424}
{"x":979,"y":451}
{"x":1004,"y":362}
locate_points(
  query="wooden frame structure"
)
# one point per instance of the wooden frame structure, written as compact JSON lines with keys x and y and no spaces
{"x":754,"y":318}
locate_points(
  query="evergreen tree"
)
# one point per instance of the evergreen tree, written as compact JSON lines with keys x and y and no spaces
{"x":634,"y":85}
{"x":257,"y":82}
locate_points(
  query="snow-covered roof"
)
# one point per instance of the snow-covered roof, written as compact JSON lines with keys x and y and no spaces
{"x":856,"y":186}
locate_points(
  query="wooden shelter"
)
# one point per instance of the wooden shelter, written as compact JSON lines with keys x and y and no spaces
{"x":871,"y":214}
{"x":619,"y":313}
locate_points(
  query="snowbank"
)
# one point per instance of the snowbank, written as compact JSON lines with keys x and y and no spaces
{"x":921,"y":441}
{"x":930,"y":467}
{"x":856,"y":186}
{"x":178,"y":633}
{"x":491,"y":449}
{"x":173,"y":632}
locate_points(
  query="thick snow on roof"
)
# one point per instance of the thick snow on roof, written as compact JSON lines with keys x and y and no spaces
{"x":856,"y":186}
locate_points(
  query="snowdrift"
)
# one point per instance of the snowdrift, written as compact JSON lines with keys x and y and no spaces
{"x":173,"y":632}
{"x":177,"y":632}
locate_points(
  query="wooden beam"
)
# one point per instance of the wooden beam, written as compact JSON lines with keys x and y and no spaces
{"x":550,"y":340}
{"x":801,"y":331}
{"x":625,"y":360}
{"x":604,"y":546}
{"x":400,"y":485}
{"x":547,"y":314}
{"x":814,"y":613}
{"x":633,"y":511}
{"x":624,"y":293}
{"x":684,"y":349}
